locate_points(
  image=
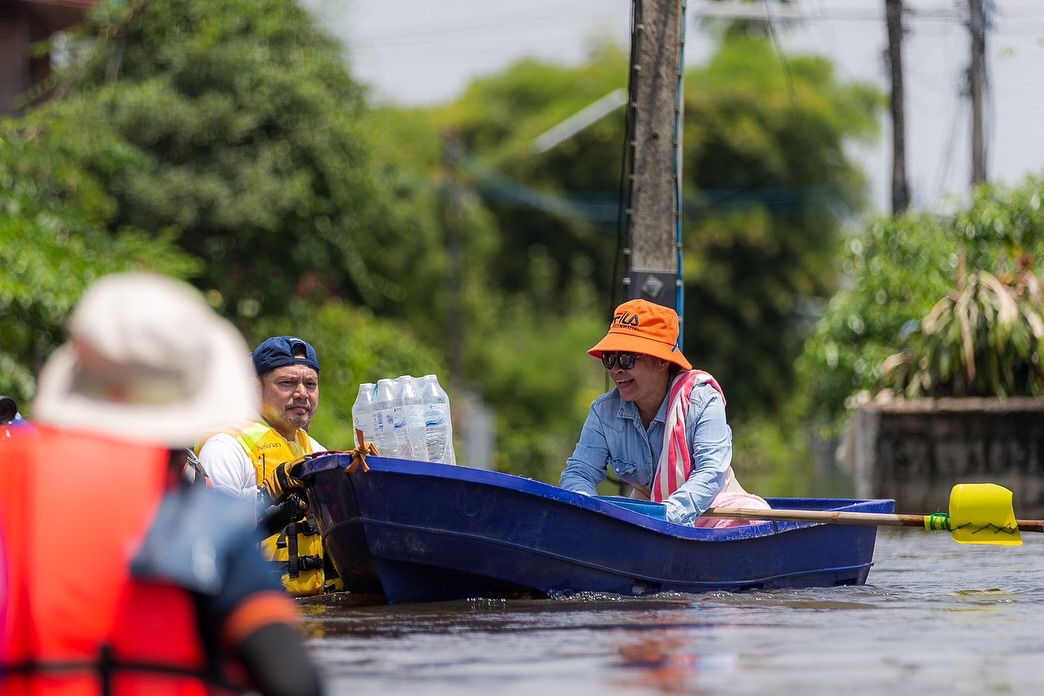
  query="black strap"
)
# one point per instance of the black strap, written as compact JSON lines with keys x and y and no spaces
{"x":303,"y":563}
{"x":291,"y":549}
{"x":107,"y":666}
{"x":296,"y":563}
{"x":303,"y":527}
{"x":310,"y":562}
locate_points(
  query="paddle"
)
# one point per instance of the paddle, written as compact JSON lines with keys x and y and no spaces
{"x":980,"y":513}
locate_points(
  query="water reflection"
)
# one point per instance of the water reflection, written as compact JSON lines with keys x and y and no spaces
{"x":936,"y":617}
{"x":663,"y":660}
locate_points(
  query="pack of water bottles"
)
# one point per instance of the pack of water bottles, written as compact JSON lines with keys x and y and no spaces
{"x":406,"y":418}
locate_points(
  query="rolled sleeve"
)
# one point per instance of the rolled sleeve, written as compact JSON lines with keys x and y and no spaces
{"x":585,"y":469}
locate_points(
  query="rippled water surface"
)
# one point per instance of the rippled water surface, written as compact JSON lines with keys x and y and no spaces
{"x":936,"y":617}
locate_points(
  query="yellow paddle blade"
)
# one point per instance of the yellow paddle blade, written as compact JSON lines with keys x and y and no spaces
{"x":981,"y":513}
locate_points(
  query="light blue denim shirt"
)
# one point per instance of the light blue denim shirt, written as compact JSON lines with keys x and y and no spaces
{"x":613,"y":434}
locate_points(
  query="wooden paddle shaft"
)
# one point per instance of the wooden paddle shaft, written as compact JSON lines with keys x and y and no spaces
{"x":1031,"y":525}
{"x":872,"y":519}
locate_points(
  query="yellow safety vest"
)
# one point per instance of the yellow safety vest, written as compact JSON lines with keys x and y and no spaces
{"x":298,"y":548}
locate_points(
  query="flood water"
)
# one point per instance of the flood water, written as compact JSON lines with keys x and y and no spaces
{"x":936,"y":617}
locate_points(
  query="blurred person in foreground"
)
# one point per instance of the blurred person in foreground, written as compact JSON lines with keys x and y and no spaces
{"x":253,"y":461}
{"x":662,"y":428}
{"x":122,"y":578}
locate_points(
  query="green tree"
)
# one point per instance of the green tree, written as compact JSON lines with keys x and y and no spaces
{"x":561,"y":204}
{"x":236,"y":129}
{"x":55,"y":240}
{"x":541,"y":384}
{"x":250,"y":141}
{"x":899,"y":269}
{"x":518,"y":298}
{"x":768,"y":187}
{"x":986,"y":337}
{"x":239,"y":128}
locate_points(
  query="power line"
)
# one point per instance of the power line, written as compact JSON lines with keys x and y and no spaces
{"x":839,"y":23}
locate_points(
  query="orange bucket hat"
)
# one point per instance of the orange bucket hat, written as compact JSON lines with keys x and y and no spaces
{"x":640,"y":326}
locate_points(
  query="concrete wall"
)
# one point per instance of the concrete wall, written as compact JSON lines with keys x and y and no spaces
{"x":916,"y":451}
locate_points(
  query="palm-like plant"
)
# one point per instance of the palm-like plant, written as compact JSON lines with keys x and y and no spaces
{"x":984,"y":339}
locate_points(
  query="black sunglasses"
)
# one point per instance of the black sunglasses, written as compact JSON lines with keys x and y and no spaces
{"x":625,"y":360}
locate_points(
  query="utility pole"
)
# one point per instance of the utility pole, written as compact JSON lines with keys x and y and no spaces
{"x":653,"y":246}
{"x":900,"y":188}
{"x":453,"y":221}
{"x":977,"y":85}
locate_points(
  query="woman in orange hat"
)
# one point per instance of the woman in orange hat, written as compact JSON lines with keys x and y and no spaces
{"x":662,"y":429}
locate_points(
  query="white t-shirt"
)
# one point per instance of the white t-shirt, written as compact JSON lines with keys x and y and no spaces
{"x":229,"y":465}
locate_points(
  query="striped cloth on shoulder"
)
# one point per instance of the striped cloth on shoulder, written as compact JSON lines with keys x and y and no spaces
{"x":675,"y":464}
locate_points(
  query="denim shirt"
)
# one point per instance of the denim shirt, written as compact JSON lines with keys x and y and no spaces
{"x":613,"y":434}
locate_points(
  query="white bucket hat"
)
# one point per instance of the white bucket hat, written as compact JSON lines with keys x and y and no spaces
{"x":147,"y":360}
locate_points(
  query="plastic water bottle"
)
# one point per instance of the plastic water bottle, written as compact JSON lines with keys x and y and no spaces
{"x":362,"y":414}
{"x":413,"y":412}
{"x":438,"y":428}
{"x":384,"y":418}
{"x":405,"y":401}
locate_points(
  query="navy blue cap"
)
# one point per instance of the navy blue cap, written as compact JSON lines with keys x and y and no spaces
{"x":278,"y":351}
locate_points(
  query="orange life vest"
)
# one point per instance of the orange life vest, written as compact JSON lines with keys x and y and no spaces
{"x":74,"y":509}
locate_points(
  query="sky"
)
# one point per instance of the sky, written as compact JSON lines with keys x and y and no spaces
{"x":424,"y":52}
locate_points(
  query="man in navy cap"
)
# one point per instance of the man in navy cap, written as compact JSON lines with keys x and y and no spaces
{"x":241,"y":457}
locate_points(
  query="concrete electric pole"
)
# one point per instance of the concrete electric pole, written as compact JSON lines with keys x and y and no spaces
{"x":977,"y":86}
{"x":653,"y":246}
{"x":900,"y":188}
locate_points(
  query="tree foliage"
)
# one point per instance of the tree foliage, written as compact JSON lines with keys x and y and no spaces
{"x":897,"y":268}
{"x":246,"y":124}
{"x":560,"y":204}
{"x":986,"y":338}
{"x":902,"y":268}
{"x":418,"y":240}
{"x":55,"y":239}
{"x":234,"y":129}
{"x":767,"y":186}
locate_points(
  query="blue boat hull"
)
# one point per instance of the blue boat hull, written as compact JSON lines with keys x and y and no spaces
{"x":416,"y":532}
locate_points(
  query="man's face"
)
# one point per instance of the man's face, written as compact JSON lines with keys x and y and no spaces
{"x":289,"y":397}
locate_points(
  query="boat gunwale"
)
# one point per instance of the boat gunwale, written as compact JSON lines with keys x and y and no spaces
{"x":612,"y":506}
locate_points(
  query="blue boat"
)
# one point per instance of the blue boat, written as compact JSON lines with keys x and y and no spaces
{"x":421,"y":532}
